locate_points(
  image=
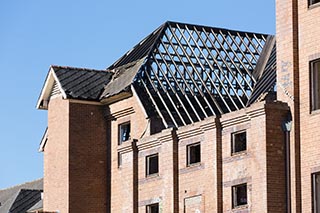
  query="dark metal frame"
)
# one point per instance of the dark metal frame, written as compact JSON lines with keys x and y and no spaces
{"x":192,"y":72}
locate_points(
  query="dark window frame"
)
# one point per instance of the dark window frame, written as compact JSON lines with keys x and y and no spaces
{"x":235,"y":199}
{"x":313,"y":2}
{"x":315,"y":195}
{"x":189,"y":157}
{"x":121,"y":127}
{"x":234,"y":136}
{"x":149,"y":208}
{"x":148,"y":165}
{"x":119,"y":160}
{"x":314,"y":85}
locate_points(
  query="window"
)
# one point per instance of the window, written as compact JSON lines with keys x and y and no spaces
{"x":239,"y":195}
{"x":124,"y":132}
{"x":152,"y":164}
{"x":316,"y":192}
{"x":193,"y":154}
{"x":238,"y":142}
{"x":119,"y":159}
{"x":315,"y":84}
{"x":153,"y":208}
{"x":311,"y":2}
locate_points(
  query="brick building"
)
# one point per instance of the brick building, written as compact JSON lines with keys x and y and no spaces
{"x":192,"y":119}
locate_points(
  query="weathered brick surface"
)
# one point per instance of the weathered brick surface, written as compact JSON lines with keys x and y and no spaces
{"x":207,"y":185}
{"x":75,"y":158}
{"x":309,"y":49}
{"x":77,"y":177}
{"x":56,"y":157}
{"x":297,"y":45}
{"x":87,"y":158}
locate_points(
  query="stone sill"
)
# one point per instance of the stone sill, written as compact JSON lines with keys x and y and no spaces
{"x":241,"y":209}
{"x":310,"y":7}
{"x":316,"y":111}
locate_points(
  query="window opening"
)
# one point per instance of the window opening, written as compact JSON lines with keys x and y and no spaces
{"x":193,"y":154}
{"x":315,"y":84}
{"x":239,"y":195}
{"x":311,"y":2}
{"x":124,"y":132}
{"x":152,"y":162}
{"x":238,"y":142}
{"x":153,"y":208}
{"x":316,"y":192}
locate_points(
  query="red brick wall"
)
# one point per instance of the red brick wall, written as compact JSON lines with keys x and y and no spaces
{"x":297,"y":34}
{"x":56,"y":157}
{"x":309,"y":49}
{"x":87,"y":158}
{"x":75,"y":158}
{"x":81,"y":133}
{"x":261,"y":167}
{"x":205,"y":186}
{"x":288,"y":84}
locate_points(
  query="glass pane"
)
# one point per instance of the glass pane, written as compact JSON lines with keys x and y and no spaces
{"x":239,"y":142}
{"x":153,"y":164}
{"x":194,"y":154}
{"x":124,"y":132}
{"x":242,"y":195}
{"x":315,"y":87}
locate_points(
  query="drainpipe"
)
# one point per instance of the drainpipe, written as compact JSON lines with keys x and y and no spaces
{"x":286,"y":127}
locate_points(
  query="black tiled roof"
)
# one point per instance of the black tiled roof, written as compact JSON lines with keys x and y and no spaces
{"x":84,"y":84}
{"x":25,"y":200}
{"x":8,"y":196}
{"x":36,"y":207}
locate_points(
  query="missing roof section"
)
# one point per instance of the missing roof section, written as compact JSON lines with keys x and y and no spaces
{"x":183,"y":73}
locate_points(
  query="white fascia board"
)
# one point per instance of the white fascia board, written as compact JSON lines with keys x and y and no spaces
{"x":43,"y":140}
{"x":46,"y":90}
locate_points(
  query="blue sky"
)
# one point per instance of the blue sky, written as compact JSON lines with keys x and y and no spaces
{"x":35,"y":34}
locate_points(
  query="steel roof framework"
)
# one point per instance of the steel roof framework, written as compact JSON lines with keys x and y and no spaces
{"x":192,"y":72}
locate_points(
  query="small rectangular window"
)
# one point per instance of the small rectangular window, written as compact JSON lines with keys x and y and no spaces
{"x":316,"y":192}
{"x":239,"y":195}
{"x":315,"y":84}
{"x":153,"y":208}
{"x":193,"y":154}
{"x":119,"y":159}
{"x":312,"y":2}
{"x":238,"y":142}
{"x":124,"y":132}
{"x":152,"y":164}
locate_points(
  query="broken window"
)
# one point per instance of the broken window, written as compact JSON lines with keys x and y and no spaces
{"x":311,"y":2}
{"x":315,"y":84}
{"x":316,"y":192}
{"x":193,"y":154}
{"x":153,"y":208}
{"x":238,"y":142}
{"x":239,"y":195}
{"x":124,"y":132}
{"x":152,"y":162}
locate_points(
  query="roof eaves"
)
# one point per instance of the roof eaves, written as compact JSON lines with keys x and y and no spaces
{"x":47,"y":87}
{"x":43,"y":140}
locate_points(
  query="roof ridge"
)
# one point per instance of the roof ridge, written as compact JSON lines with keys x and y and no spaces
{"x":27,"y":182}
{"x":215,"y":28}
{"x":79,"y":68}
